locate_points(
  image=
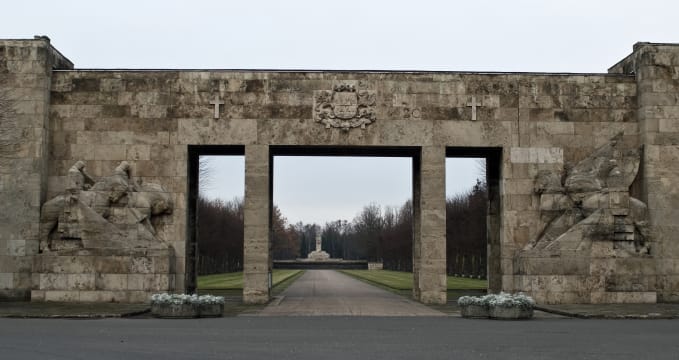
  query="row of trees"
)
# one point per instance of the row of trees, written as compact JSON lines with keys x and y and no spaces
{"x":219,"y":235}
{"x":375,"y":234}
{"x":466,"y":244}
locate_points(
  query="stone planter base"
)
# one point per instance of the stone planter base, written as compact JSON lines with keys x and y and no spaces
{"x":509,"y":313}
{"x":474,"y":312}
{"x":175,"y":311}
{"x":211,"y":310}
{"x":186,"y":311}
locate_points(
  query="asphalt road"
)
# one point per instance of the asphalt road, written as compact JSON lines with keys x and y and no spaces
{"x":328,"y":292}
{"x":338,"y":338}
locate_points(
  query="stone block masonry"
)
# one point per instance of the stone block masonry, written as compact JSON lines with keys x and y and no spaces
{"x":102,"y":276}
{"x":656,"y":70}
{"x":25,"y":83}
{"x":573,"y":217}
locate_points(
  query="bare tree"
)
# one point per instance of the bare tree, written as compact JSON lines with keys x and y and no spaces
{"x":368,"y":226}
{"x":204,"y":173}
{"x":481,"y":169}
{"x":220,"y":235}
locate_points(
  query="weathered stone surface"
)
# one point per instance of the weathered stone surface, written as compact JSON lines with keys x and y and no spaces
{"x":545,"y":126}
{"x":344,"y":107}
{"x":257,"y":248}
{"x":113,"y":212}
{"x":98,"y":275}
{"x":25,"y":70}
{"x":592,"y":203}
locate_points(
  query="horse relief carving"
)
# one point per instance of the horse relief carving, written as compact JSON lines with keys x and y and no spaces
{"x":592,"y":203}
{"x":112,"y":212}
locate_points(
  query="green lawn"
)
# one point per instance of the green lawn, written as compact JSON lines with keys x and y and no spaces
{"x":235,"y":280}
{"x":458,"y":283}
{"x":394,"y":279}
{"x":400,"y":280}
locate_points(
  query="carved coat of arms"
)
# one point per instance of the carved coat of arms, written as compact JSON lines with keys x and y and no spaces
{"x":344,"y":107}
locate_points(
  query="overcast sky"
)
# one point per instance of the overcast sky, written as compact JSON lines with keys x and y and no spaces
{"x":519,"y":35}
{"x":501,"y":35}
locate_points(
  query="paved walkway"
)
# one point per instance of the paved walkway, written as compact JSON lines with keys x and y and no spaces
{"x":328,"y":292}
{"x":27,"y":309}
{"x":615,"y":311}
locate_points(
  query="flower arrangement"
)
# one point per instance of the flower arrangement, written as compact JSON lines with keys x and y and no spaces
{"x":186,"y":306}
{"x":511,"y":300}
{"x":211,"y":299}
{"x":497,"y":306}
{"x":474,"y":300}
{"x":474,"y":306}
{"x":178,"y":299}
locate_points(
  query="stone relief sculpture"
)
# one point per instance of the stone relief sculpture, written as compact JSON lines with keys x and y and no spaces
{"x":344,"y":107}
{"x":111,"y":213}
{"x":592,"y":203}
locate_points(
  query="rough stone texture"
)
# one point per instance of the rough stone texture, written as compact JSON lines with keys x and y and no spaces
{"x":656,"y":69}
{"x":100,"y":240}
{"x":588,"y":217}
{"x":102,"y":275}
{"x":257,"y":258}
{"x":114,"y":212}
{"x":429,"y":242}
{"x":535,"y":123}
{"x":25,"y":82}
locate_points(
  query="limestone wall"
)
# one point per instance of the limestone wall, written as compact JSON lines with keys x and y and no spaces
{"x":562,"y":121}
{"x":541,"y":121}
{"x":656,"y":69}
{"x":25,"y":81}
{"x":527,"y":124}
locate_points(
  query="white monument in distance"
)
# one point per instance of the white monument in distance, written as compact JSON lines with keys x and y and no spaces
{"x":318,"y":254}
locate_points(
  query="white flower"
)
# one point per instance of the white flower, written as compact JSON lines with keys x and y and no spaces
{"x":502,"y":299}
{"x":210,"y":299}
{"x":179,"y":299}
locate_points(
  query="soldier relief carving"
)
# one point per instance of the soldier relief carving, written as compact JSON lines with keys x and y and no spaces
{"x":344,"y":107}
{"x":592,"y":203}
{"x":113,"y":212}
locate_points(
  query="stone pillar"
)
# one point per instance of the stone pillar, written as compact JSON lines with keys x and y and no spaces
{"x":429,"y":225}
{"x":25,"y":82}
{"x":656,"y":67}
{"x":256,"y":209}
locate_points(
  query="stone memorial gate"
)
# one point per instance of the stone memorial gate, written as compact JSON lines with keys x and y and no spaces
{"x":98,"y":170}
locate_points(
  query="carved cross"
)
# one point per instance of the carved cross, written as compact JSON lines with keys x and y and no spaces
{"x":216,"y":102}
{"x":474,"y":105}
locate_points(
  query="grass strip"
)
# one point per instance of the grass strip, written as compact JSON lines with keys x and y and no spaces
{"x":234,"y":281}
{"x":397,"y":280}
{"x":234,"y":305}
{"x":400,"y":280}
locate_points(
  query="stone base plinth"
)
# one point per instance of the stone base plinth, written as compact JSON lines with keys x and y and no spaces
{"x":584,"y":279}
{"x":509,"y":313}
{"x":318,"y":256}
{"x":186,"y":311}
{"x":102,"y":275}
{"x":474,"y":311}
{"x":624,"y":297}
{"x":175,"y":311}
{"x":211,"y":310}
{"x":433,"y":297}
